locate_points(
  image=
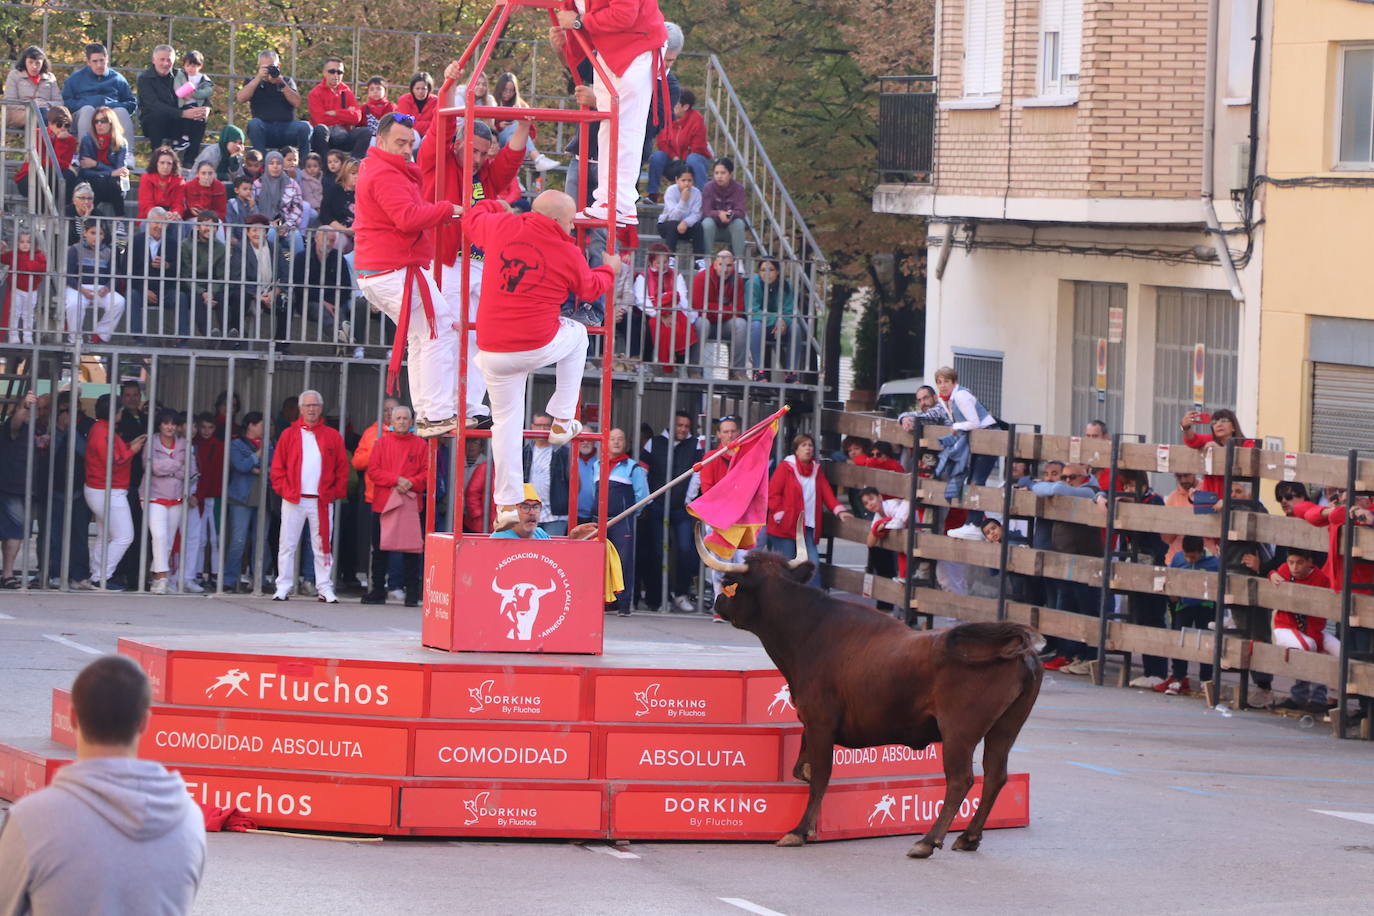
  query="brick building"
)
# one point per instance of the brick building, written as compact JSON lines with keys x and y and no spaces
{"x":1073,"y":145}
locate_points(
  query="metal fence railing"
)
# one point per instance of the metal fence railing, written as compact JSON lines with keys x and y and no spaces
{"x":906,"y":128}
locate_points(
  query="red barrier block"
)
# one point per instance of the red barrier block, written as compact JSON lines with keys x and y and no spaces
{"x":503,"y":809}
{"x":902,"y":807}
{"x":881,"y":762}
{"x":297,"y":685}
{"x":298,"y":800}
{"x":509,"y":695}
{"x":488,"y":753}
{"x":691,"y":754}
{"x":658,"y":697}
{"x":27,"y":765}
{"x":436,"y":627}
{"x":767,"y":698}
{"x":697,"y":812}
{"x":62,"y":729}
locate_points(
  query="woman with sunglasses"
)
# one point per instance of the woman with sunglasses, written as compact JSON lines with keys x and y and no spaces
{"x":104,"y":160}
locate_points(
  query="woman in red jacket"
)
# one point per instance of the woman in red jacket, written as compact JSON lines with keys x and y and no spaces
{"x":420,"y":102}
{"x":399,"y":462}
{"x":206,"y":192}
{"x":109,"y":488}
{"x":161,"y":186}
{"x":1225,"y":427}
{"x":798,"y":490}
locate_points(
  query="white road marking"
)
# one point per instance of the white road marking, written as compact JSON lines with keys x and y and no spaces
{"x":62,"y":640}
{"x":1362,"y":816}
{"x":750,"y":907}
{"x":5,"y":617}
{"x":611,"y":851}
{"x":404,"y":632}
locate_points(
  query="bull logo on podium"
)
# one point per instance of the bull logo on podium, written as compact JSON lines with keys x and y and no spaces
{"x":233,"y":680}
{"x":520,"y":607}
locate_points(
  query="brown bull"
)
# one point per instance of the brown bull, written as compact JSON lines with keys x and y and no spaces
{"x":862,"y":679}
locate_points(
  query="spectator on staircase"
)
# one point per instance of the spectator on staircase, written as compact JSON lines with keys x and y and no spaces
{"x":336,"y":114}
{"x":104,"y":160}
{"x":162,"y":186}
{"x":31,"y":80}
{"x":171,"y":106}
{"x":273,"y":100}
{"x":308,"y":177}
{"x":420,"y":102}
{"x":98,"y":85}
{"x":153,"y":268}
{"x":64,"y":146}
{"x":507,"y":95}
{"x":661,"y":297}
{"x":723,"y":203}
{"x":773,"y":327}
{"x":681,"y":216}
{"x":203,"y":259}
{"x":718,"y":299}
{"x":206,"y":192}
{"x":27,"y":266}
{"x":276,"y":196}
{"x":90,"y":281}
{"x":683,"y":141}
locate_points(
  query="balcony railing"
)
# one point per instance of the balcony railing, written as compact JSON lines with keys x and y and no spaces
{"x":906,"y":129}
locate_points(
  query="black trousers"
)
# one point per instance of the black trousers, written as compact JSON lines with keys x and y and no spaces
{"x":165,"y":129}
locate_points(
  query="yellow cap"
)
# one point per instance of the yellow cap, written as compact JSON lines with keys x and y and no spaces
{"x":531,"y":496}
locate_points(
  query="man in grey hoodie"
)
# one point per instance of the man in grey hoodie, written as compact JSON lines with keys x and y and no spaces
{"x":112,"y":834}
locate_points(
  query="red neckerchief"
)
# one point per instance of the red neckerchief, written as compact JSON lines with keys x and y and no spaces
{"x":804,"y":468}
{"x":321,"y":504}
{"x":102,"y":148}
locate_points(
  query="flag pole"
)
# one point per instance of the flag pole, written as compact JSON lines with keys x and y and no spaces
{"x":719,"y":453}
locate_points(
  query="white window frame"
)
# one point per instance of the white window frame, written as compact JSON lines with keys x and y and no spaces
{"x":1059,"y":62}
{"x":1341,"y":164}
{"x":1240,"y":54}
{"x":983,"y":49}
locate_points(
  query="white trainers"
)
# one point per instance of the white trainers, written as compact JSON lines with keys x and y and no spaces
{"x":158,"y":587}
{"x":428,"y":429}
{"x":397,"y":594}
{"x":191,"y":586}
{"x":1083,"y":667}
{"x":593,"y":212}
{"x":1146,"y":683}
{"x":543,"y":163}
{"x":563,"y":431}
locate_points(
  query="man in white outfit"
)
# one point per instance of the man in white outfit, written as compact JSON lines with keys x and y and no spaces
{"x":309,"y":472}
{"x":532,"y":266}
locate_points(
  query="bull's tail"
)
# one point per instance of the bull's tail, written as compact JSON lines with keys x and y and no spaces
{"x":983,"y":643}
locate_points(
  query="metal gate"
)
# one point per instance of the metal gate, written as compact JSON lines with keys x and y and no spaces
{"x":1184,"y":319}
{"x":1342,"y":408}
{"x":1099,"y":323}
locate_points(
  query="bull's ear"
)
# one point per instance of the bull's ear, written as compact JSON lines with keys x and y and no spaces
{"x":803,"y":573}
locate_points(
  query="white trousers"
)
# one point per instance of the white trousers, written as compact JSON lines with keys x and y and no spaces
{"x":506,"y":374}
{"x":200,"y":533}
{"x":23,"y":303}
{"x":111,"y":307}
{"x":294,"y":516}
{"x":1289,"y":638}
{"x":453,"y":292}
{"x":116,"y":531}
{"x":636,"y":89}
{"x":431,"y":365}
{"x":164,"y":523}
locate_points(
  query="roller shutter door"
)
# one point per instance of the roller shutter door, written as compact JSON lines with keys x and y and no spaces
{"x":1342,"y":408}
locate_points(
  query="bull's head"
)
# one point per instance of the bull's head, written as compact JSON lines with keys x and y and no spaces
{"x":738,"y":598}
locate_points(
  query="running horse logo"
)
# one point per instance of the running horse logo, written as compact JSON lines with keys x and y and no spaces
{"x":642,"y":697}
{"x":513,"y":270}
{"x":520,"y":607}
{"x":233,"y":680}
{"x":477,"y":693}
{"x":883,"y":807}
{"x":473,"y":807}
{"x":782,"y":700}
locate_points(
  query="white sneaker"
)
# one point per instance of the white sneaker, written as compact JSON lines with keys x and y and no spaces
{"x":158,"y":587}
{"x":191,"y":586}
{"x":593,"y":212}
{"x":543,"y":163}
{"x":563,"y":431}
{"x":1146,"y":683}
{"x":1082,"y":667}
{"x":684,"y":604}
{"x":397,"y":594}
{"x":428,"y":429}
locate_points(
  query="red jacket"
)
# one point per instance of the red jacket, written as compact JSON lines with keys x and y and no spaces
{"x":1306,"y":624}
{"x":199,"y":197}
{"x":1361,"y":572}
{"x":156,"y":191}
{"x":534,"y":265}
{"x":1212,"y":483}
{"x":712,"y":473}
{"x":882,"y":464}
{"x":717,"y":299}
{"x":286,"y":470}
{"x":785,"y":496}
{"x":210,"y":460}
{"x":97,"y":448}
{"x":685,"y":136}
{"x":378,"y":110}
{"x":64,"y":148}
{"x":619,"y":30}
{"x":477,"y":493}
{"x":397,"y":455}
{"x":424,"y":120}
{"x":492,"y":179}
{"x":342,"y":101}
{"x":393,"y":225}
{"x":25,"y":269}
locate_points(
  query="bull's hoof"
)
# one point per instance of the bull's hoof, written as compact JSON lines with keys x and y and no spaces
{"x":966,"y":843}
{"x":803,"y":773}
{"x":792,"y":839}
{"x":922,"y":850}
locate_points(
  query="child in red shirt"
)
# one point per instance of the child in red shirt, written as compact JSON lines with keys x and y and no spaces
{"x":27,"y":267}
{"x":1306,"y":632}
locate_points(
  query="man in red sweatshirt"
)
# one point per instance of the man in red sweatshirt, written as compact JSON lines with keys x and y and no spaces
{"x":535,"y":265}
{"x":399,"y":463}
{"x":492,"y":171}
{"x":393,"y":229}
{"x":336,"y":114}
{"x":627,"y":36}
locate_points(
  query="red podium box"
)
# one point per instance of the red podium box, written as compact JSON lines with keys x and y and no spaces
{"x":886,"y":760}
{"x":911,"y":806}
{"x":506,"y":696}
{"x":487,"y":594}
{"x":505,"y":809}
{"x":692,"y":753}
{"x":531,"y":752}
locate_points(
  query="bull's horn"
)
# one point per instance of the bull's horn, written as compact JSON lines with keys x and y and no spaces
{"x":714,"y":562}
{"x":802,"y":553}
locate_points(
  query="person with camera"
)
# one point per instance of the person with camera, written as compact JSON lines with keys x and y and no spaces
{"x":273,"y":99}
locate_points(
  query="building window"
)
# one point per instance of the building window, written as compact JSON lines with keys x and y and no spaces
{"x":980,"y":371}
{"x":983,"y":49}
{"x":1061,"y":42}
{"x":1240,"y":57}
{"x":1355,"y":108}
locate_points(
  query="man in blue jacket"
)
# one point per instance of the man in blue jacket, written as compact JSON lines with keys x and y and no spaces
{"x":98,"y":84}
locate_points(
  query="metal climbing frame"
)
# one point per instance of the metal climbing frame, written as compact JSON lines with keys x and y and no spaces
{"x":486,"y":39}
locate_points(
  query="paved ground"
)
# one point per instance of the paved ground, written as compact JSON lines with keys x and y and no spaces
{"x":1140,"y":803}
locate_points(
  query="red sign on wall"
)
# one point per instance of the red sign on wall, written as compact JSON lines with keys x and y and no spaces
{"x":708,"y":811}
{"x":289,"y":802}
{"x":505,"y":754}
{"x":872,"y":762}
{"x":276,"y":745}
{"x":505,"y":696}
{"x":297,"y":686}
{"x":496,"y":809}
{"x":516,"y":595}
{"x":699,"y":756}
{"x":768,"y":699}
{"x":682,"y":700}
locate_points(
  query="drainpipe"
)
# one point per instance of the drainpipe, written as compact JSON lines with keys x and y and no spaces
{"x":1209,"y":129}
{"x":944,"y":251}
